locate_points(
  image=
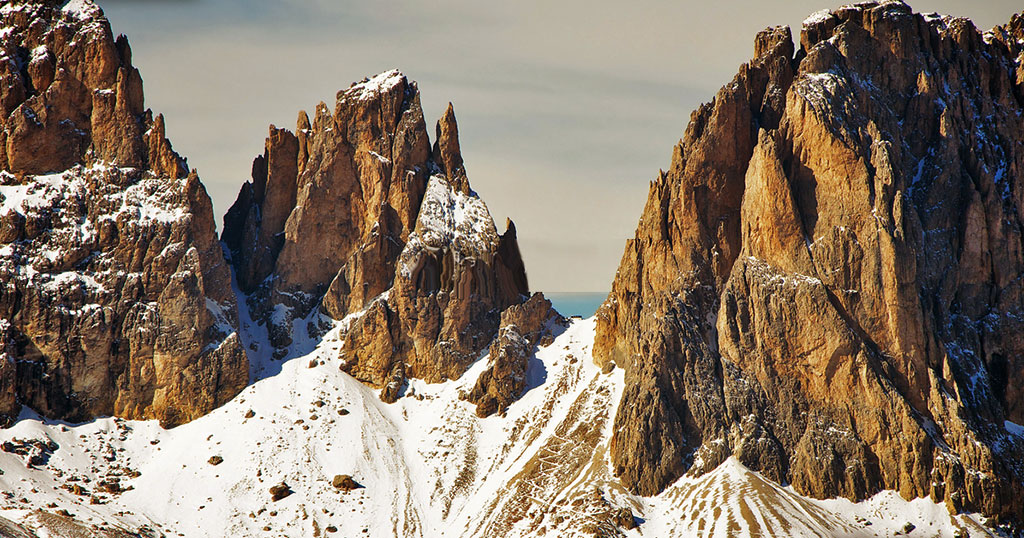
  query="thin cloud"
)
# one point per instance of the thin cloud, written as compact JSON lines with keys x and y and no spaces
{"x":566,"y":109}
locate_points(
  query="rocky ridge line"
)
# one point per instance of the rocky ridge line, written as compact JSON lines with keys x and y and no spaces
{"x":826,"y":282}
{"x":355,"y":217}
{"x":116,"y":297}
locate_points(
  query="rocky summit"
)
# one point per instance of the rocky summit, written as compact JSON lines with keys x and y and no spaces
{"x":355,"y":217}
{"x":115,"y":298}
{"x":826,"y":283}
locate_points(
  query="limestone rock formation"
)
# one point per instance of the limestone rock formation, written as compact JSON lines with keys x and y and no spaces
{"x":354,"y":216}
{"x":504,"y":380}
{"x":330,"y":207}
{"x":452,"y":281}
{"x":116,"y":299}
{"x":827,"y":281}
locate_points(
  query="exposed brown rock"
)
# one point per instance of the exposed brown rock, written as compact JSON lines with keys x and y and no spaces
{"x":450,"y":286}
{"x":393,"y":383}
{"x":117,"y":299}
{"x":624,"y":518}
{"x":380,"y":227}
{"x":447,"y":153}
{"x":163,"y":161}
{"x":9,"y":404}
{"x":328,"y":210}
{"x":345,"y":482}
{"x":269,"y":200}
{"x":280,"y":491}
{"x":510,"y":270}
{"x":504,"y":380}
{"x":826,"y":281}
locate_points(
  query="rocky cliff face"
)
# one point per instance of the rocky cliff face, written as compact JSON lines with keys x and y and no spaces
{"x":356,"y":217}
{"x":523,"y":326}
{"x":826,"y":283}
{"x":116,"y":299}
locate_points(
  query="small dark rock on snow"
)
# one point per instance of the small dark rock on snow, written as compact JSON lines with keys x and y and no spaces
{"x":624,"y":518}
{"x":280,"y":491}
{"x":345,"y":482}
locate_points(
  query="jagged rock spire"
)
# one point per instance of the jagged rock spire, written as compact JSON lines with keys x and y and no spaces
{"x":447,"y":154}
{"x":371,"y":232}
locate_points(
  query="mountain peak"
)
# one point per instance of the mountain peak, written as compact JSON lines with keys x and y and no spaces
{"x":372,"y":87}
{"x":447,"y":153}
{"x":117,"y":297}
{"x":365,"y":233}
{"x":836,"y":228}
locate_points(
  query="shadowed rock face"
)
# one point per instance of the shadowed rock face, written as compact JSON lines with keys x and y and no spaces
{"x":356,"y":215}
{"x":827,"y":281}
{"x":504,"y":380}
{"x":116,"y":299}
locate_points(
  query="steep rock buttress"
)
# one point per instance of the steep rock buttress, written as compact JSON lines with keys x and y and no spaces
{"x":115,"y":298}
{"x":827,"y":281}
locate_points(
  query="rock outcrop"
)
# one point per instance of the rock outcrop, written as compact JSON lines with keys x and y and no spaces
{"x":504,"y":380}
{"x":115,"y":298}
{"x":827,"y":281}
{"x":356,"y":217}
{"x":329,"y":208}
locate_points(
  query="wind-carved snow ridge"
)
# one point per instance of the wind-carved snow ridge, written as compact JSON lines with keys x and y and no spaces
{"x":734,"y":501}
{"x":372,"y":87}
{"x":449,"y":219}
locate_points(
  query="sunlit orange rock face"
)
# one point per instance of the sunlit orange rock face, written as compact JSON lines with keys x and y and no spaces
{"x":358,"y":216}
{"x":115,"y":298}
{"x":827,"y":280}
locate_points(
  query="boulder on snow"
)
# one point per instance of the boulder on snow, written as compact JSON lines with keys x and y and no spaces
{"x":280,"y":491}
{"x":624,"y":518}
{"x":345,"y":482}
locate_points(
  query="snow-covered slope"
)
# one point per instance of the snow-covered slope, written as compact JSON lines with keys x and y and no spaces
{"x":427,"y":465}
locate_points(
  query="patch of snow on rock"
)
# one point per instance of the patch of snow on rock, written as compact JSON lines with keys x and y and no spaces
{"x":817,"y":17}
{"x":81,"y":9}
{"x":449,"y":219}
{"x":374,"y":86}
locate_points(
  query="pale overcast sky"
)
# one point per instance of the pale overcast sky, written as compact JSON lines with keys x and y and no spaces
{"x":566,"y":109}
